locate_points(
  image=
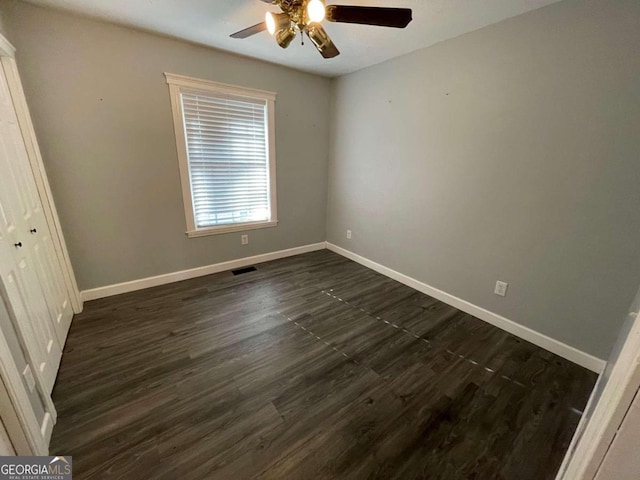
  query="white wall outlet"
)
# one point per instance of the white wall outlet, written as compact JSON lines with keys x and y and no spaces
{"x":349,"y":234}
{"x":501,"y":288}
{"x":28,"y":377}
{"x":244,"y":239}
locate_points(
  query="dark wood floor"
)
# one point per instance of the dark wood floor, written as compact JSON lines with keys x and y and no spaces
{"x":312,"y":367}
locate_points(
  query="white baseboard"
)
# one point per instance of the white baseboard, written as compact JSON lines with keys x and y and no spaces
{"x":148,"y":282}
{"x":562,"y":349}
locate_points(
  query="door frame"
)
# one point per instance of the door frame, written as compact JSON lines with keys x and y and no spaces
{"x":7,"y":59}
{"x":596,"y":432}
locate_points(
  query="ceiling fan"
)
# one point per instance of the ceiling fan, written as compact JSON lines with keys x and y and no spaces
{"x":305,"y":16}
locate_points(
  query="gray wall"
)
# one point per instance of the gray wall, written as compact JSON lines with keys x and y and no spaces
{"x":101,"y":110}
{"x":509,"y":153}
{"x":3,"y":30}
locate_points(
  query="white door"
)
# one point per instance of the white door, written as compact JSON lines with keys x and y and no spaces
{"x":45,"y":260}
{"x":29,"y":270}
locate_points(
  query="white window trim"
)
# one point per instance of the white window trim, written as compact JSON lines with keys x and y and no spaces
{"x":177,"y":85}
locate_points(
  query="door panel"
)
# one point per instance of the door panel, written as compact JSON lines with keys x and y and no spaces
{"x":22,"y":195}
{"x":24,"y":201}
{"x":7,"y":215}
{"x":54,"y":291}
{"x":31,"y":317}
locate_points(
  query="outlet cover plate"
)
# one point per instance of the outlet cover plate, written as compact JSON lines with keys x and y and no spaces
{"x":501,"y":288}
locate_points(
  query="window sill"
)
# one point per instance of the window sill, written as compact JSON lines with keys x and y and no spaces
{"x":237,"y":227}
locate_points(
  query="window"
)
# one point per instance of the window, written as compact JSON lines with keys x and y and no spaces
{"x":226,"y":150}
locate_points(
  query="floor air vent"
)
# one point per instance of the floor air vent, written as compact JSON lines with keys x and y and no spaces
{"x":240,"y":271}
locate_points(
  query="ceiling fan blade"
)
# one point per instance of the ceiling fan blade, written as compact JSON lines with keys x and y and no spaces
{"x":321,"y":40}
{"x":381,"y":16}
{"x":247,"y":32}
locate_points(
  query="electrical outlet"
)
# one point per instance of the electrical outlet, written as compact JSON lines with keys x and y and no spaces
{"x":244,"y":239}
{"x":28,"y":377}
{"x":348,"y":234}
{"x":501,"y":288}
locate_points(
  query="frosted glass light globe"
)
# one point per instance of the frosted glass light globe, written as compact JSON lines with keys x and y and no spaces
{"x":271,"y":23}
{"x":315,"y":11}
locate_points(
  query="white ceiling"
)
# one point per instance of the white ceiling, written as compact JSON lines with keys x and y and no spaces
{"x":210,"y":22}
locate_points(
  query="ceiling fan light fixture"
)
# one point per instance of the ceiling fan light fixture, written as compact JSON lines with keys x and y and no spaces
{"x":318,"y":36}
{"x":285,"y":36}
{"x":315,"y":11}
{"x":276,"y":22}
{"x":306,"y":17}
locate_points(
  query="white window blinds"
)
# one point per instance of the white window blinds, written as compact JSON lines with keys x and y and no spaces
{"x":227,"y":152}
